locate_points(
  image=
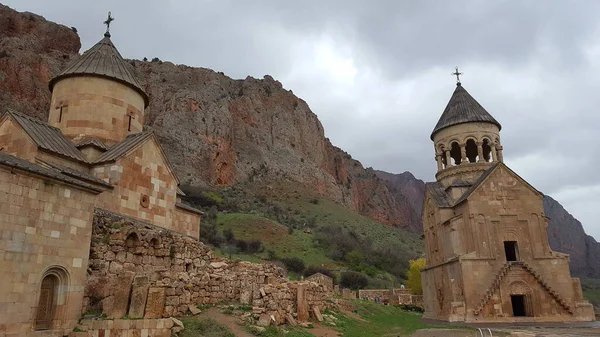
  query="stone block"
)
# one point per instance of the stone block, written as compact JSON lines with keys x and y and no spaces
{"x":116,"y":306}
{"x":155,"y":303}
{"x":139,"y":295}
{"x":246,"y":297}
{"x":301,"y":303}
{"x":317,"y":314}
{"x":194,"y":310}
{"x":264,"y":320}
{"x":290,"y":320}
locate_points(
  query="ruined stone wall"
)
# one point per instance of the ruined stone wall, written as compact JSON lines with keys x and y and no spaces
{"x":165,"y":273}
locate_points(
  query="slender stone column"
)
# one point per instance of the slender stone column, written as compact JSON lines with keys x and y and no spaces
{"x":463,"y":155}
{"x":438,"y":159}
{"x":500,"y":156}
{"x":480,"y":152}
{"x":448,"y":158}
{"x":494,"y":155}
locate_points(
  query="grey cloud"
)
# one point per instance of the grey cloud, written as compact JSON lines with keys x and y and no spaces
{"x":528,"y":63}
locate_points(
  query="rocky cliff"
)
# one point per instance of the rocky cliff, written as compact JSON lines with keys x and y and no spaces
{"x":221,"y":131}
{"x":566,"y":235}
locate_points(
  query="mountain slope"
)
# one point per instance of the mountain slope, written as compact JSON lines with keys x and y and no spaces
{"x":218,"y":131}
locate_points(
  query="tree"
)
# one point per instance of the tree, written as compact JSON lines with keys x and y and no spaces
{"x":353,"y":280}
{"x":413,"y":276}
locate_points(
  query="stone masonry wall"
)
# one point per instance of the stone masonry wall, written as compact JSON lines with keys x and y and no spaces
{"x":15,"y":141}
{"x":145,"y":174}
{"x":45,"y":233}
{"x":95,"y":106}
{"x":166,"y":273}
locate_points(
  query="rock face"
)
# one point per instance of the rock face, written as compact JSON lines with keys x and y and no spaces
{"x":408,"y":192}
{"x":220,"y":131}
{"x":32,"y":50}
{"x":566,"y":235}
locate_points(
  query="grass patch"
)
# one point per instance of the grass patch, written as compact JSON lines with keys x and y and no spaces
{"x":279,"y":332}
{"x":206,"y":327}
{"x":379,"y":320}
{"x":274,"y":236}
{"x":591,"y":291}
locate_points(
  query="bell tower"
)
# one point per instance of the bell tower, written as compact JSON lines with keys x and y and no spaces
{"x":97,"y":96}
{"x":466,"y":141}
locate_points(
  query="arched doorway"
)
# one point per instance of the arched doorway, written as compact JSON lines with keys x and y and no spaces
{"x":47,"y":303}
{"x":520,"y":299}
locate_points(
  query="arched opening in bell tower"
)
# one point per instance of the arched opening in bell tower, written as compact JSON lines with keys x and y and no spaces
{"x":471,"y":149}
{"x":455,"y":153}
{"x":487,"y":150}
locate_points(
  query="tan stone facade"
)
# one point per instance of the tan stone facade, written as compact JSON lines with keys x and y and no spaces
{"x":146,"y":189}
{"x":45,"y":226}
{"x":92,"y":154}
{"x":96,"y":107}
{"x":15,"y":141}
{"x":488,"y":257}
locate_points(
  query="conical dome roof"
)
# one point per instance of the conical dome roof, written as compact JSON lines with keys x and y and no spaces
{"x":103,"y":60}
{"x":463,"y":108}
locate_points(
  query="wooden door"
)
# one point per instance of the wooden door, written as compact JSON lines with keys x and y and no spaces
{"x":46,"y":304}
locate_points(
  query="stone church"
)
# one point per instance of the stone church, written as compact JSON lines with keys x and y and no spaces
{"x":91,"y":154}
{"x":488,"y":257}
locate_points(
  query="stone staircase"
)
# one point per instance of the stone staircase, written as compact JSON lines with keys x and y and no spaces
{"x":546,"y":286}
{"x":504,"y":270}
{"x":491,"y":289}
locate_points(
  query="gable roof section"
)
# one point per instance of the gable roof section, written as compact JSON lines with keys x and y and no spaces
{"x":484,"y":177}
{"x":463,"y":108}
{"x":47,"y":137}
{"x":92,"y":141}
{"x":103,"y":60}
{"x":130,"y":143}
{"x":76,"y":174}
{"x":438,"y":194}
{"x":20,"y":164}
{"x":119,"y":150}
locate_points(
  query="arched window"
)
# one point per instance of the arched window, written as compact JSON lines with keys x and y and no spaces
{"x":154,"y":243}
{"x":471,"y":149}
{"x":487,"y":150}
{"x":132,"y":240}
{"x":455,"y":153}
{"x":52,"y":294}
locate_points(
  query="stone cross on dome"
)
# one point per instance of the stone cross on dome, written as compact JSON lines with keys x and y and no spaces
{"x":457,"y":74}
{"x":107,"y":23}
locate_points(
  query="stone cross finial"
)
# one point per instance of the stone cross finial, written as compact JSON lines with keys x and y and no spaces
{"x":457,"y":74}
{"x":107,"y":23}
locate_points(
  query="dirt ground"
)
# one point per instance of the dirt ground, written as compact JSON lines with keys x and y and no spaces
{"x":229,"y":321}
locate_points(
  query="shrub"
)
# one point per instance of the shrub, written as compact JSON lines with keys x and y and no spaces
{"x":311,"y":270}
{"x":228,"y":234}
{"x":271,"y":255}
{"x":353,"y":280}
{"x":242,"y":246}
{"x":293,"y":264}
{"x":210,"y":235}
{"x":314,"y":201}
{"x":255,"y":246}
{"x":413,"y":276}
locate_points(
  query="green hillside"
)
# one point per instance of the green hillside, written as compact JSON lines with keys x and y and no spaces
{"x":289,"y":221}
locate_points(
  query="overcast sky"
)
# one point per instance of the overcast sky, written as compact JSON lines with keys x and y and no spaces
{"x":377,"y":73}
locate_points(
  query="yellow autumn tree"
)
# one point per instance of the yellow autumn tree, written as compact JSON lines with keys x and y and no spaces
{"x":413,"y":276}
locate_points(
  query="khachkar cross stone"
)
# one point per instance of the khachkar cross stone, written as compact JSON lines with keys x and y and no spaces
{"x":505,"y":192}
{"x":107,"y":23}
{"x":457,"y":74}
